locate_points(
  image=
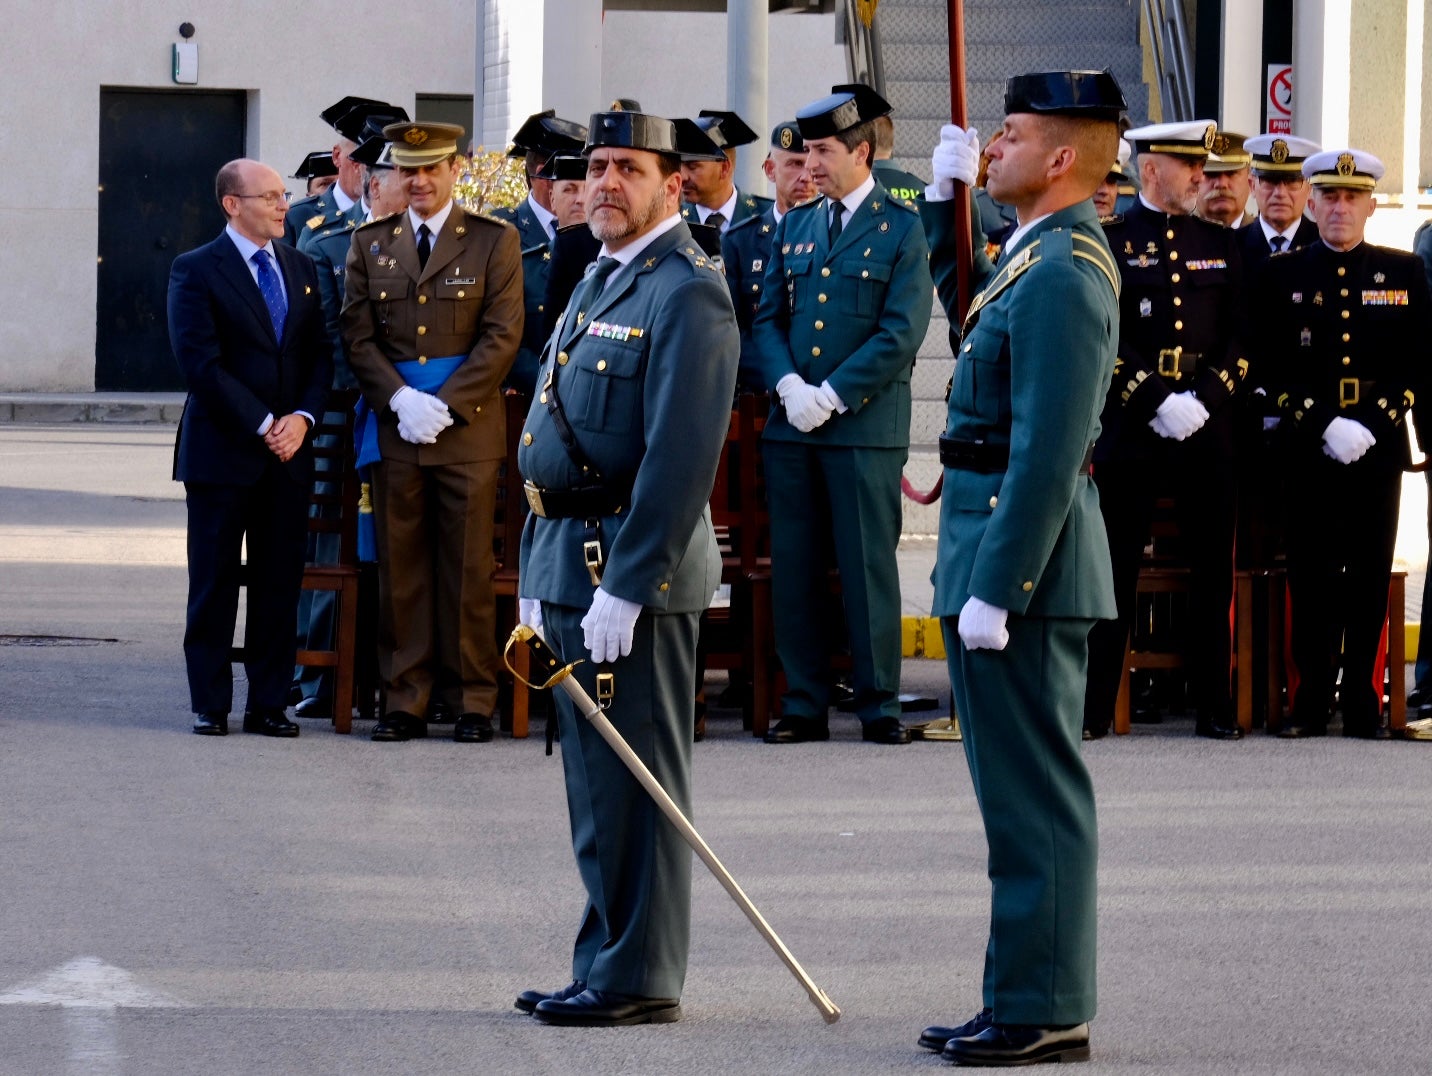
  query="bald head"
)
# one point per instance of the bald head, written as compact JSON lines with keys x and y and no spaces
{"x":253,"y":198}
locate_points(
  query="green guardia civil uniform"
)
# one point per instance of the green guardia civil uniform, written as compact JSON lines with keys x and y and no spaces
{"x":536,"y":263}
{"x":1026,"y":535}
{"x":747,"y":205}
{"x":745,"y":249}
{"x":854,"y":314}
{"x":329,"y":251}
{"x":311,"y":216}
{"x":644,"y":371}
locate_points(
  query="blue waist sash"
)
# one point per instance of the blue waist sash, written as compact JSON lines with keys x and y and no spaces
{"x":424,"y":376}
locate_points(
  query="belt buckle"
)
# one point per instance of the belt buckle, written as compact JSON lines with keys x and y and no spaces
{"x":1172,"y":369}
{"x":1349,"y":392}
{"x":534,"y":499}
{"x":592,"y":556}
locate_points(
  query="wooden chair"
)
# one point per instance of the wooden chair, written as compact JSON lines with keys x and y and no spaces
{"x":334,"y":511}
{"x":741,"y":636}
{"x":507,"y":543}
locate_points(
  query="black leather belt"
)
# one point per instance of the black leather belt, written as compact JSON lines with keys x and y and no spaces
{"x":983,"y":458}
{"x":585,"y":502}
{"x":1176,"y":363}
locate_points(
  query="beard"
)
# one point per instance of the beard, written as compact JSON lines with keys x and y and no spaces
{"x":628,"y":221}
{"x":1175,"y":197}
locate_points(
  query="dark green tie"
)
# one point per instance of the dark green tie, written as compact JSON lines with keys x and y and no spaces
{"x":837,"y":210}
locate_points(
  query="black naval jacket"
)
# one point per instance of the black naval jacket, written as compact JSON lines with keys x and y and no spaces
{"x":1255,"y":248}
{"x":1346,"y":335}
{"x":1180,"y":323}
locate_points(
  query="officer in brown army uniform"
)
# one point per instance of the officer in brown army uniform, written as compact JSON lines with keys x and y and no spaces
{"x":1168,"y":423}
{"x":1347,"y":325}
{"x":433,"y":318}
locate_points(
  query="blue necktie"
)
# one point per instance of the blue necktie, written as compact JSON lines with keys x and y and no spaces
{"x":272,"y":292}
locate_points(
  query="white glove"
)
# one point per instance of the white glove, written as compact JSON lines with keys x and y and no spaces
{"x":529,"y":612}
{"x":1270,"y":422}
{"x":1347,"y":440}
{"x":982,"y":625}
{"x":956,"y":158}
{"x":1181,"y":415}
{"x":421,"y":417}
{"x":829,"y":398}
{"x":803,"y":403}
{"x":607,"y":628}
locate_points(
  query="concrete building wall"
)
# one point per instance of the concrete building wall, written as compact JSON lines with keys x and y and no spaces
{"x":292,"y":60}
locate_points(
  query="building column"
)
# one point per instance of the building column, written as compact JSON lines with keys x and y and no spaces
{"x":1242,"y":77}
{"x":533,"y":55}
{"x":747,"y":55}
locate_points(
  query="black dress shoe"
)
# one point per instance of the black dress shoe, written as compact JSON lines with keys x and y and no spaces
{"x":1293,"y":731}
{"x":935,"y":1036}
{"x":1019,"y":1044}
{"x":798,"y":730}
{"x":528,"y":1000}
{"x":439,"y":711}
{"x":1360,"y":730}
{"x":211,"y":724}
{"x":1210,"y":729}
{"x":597,"y":1008}
{"x":398,"y":726}
{"x":884,"y":730}
{"x":1095,"y":732}
{"x":698,"y":731}
{"x":269,"y":723}
{"x":316,"y":706}
{"x":472,"y":728}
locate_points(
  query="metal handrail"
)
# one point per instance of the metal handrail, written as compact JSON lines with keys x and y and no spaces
{"x":863,"y":61}
{"x":1172,"y":57}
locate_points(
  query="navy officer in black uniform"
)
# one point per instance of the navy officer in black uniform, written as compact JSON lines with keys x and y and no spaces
{"x":1347,"y":329}
{"x":1168,"y":424}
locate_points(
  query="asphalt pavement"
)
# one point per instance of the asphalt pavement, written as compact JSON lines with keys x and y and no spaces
{"x":179,"y":904}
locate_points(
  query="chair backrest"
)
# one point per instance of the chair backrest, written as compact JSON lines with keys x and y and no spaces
{"x":334,"y":498}
{"x":511,"y":500}
{"x":738,"y":496}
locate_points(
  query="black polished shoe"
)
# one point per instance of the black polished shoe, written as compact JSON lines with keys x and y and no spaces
{"x":528,"y":1000}
{"x":1360,"y":730}
{"x":884,"y":730}
{"x":1210,"y":729}
{"x":597,"y":1008}
{"x":316,"y":707}
{"x":1293,"y":731}
{"x":472,"y":728}
{"x":798,"y":730}
{"x":934,"y":1037}
{"x":399,"y":726}
{"x":1019,"y":1044}
{"x":211,"y":724}
{"x":439,"y":711}
{"x":1095,"y":732}
{"x":269,"y":723}
{"x":698,"y":731}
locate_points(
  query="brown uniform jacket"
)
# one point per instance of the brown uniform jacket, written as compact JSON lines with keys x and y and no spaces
{"x":466,"y":301}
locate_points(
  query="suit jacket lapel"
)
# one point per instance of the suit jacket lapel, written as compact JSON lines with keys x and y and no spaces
{"x":232,"y":267}
{"x":292,"y":285}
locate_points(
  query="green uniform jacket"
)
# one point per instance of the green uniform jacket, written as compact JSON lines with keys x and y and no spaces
{"x":536,"y":263}
{"x":1032,"y":372}
{"x":747,"y":205}
{"x":745,"y":249}
{"x":645,"y":375}
{"x":329,"y":251}
{"x":854,"y":315}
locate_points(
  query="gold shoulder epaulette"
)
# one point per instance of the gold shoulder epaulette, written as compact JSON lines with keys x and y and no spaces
{"x":313,"y":222}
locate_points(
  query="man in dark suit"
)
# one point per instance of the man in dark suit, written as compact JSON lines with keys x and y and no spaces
{"x":246,"y":326}
{"x":1281,"y":192}
{"x":433,"y":320}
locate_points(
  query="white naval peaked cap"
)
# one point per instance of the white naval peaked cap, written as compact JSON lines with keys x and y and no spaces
{"x":1280,"y":153}
{"x":1351,"y":168}
{"x":1190,"y":138}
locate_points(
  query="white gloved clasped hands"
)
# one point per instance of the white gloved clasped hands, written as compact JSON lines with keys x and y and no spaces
{"x":1181,"y":415}
{"x":955,"y":159}
{"x":529,"y":613}
{"x":1347,"y":440}
{"x":608,"y":626}
{"x":805,"y":404}
{"x":982,"y":625}
{"x":421,"y":416}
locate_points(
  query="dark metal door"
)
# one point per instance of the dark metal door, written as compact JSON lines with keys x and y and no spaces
{"x":158,"y":153}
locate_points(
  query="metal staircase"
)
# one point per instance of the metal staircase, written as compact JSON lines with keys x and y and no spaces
{"x":1002,"y":38}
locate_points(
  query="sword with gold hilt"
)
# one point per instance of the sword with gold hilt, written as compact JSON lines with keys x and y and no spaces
{"x":545,"y":661}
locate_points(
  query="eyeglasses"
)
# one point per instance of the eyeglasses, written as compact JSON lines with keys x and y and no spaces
{"x":270,"y":198}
